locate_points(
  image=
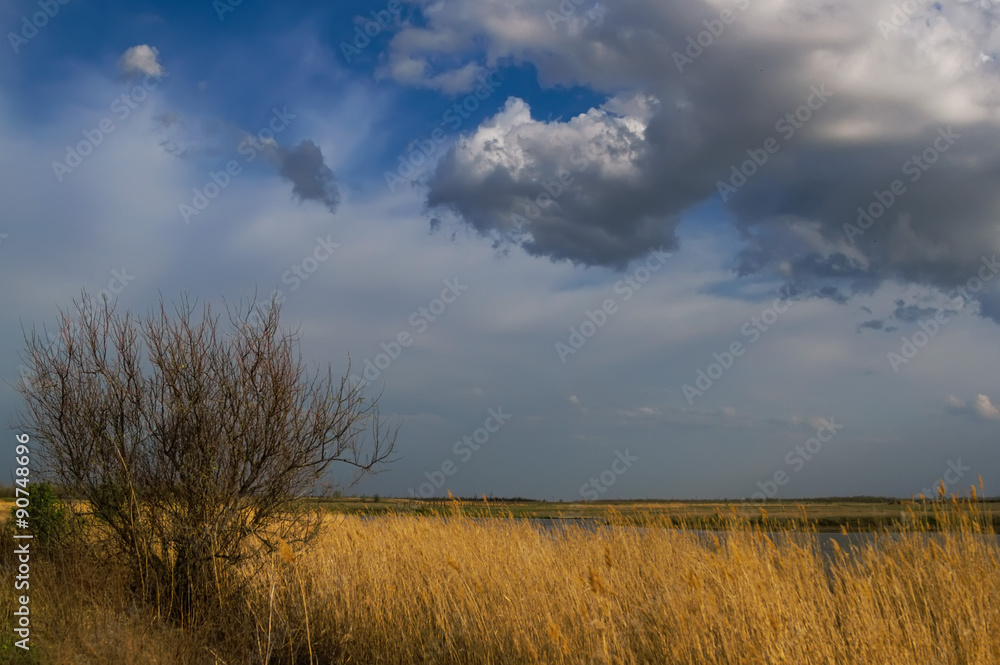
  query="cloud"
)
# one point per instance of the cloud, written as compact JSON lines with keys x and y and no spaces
{"x":578,"y":189}
{"x":413,"y":71}
{"x":311,"y":178}
{"x":913,"y":313}
{"x":852,"y":110}
{"x":910,"y":313}
{"x":982,"y":407}
{"x":303,"y":165}
{"x":985,"y":408}
{"x":140,"y":60}
{"x":955,"y":404}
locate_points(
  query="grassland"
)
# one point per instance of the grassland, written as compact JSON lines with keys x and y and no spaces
{"x":453,"y":589}
{"x":853,"y":514}
{"x":831,"y":515}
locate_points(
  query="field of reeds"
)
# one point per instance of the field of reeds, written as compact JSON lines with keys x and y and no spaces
{"x":457,"y":589}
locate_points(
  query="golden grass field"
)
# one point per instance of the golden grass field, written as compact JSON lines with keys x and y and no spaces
{"x":456,"y":589}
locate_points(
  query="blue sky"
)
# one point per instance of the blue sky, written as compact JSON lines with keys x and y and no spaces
{"x":704,"y":249}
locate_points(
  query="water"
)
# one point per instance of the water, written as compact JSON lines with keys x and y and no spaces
{"x":828,"y":542}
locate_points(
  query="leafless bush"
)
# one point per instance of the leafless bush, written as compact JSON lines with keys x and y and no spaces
{"x":193,"y":449}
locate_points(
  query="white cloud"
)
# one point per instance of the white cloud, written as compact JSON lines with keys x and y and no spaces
{"x":985,"y":408}
{"x":141,"y":59}
{"x":982,"y":407}
{"x":413,"y":71}
{"x":573,"y":184}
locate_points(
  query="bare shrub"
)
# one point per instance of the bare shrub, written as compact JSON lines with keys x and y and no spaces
{"x":193,"y":449}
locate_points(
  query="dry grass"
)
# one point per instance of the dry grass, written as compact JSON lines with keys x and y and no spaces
{"x":404,"y":589}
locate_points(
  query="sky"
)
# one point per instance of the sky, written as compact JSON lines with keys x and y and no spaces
{"x":585,"y":250}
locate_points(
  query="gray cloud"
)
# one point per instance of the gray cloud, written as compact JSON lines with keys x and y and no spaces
{"x":916,"y":105}
{"x":874,"y":324}
{"x":913,"y":313}
{"x":303,"y":166}
{"x":311,"y":178}
{"x":576,"y":188}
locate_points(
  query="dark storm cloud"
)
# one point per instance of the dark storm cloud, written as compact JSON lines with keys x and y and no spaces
{"x":869,"y":152}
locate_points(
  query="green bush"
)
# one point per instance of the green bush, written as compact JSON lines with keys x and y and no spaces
{"x":48,"y":517}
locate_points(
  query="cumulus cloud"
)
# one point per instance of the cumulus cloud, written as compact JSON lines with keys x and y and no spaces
{"x":981,"y":407}
{"x":985,"y":408}
{"x":853,"y":101}
{"x":141,"y":60}
{"x":311,"y":178}
{"x":578,"y":189}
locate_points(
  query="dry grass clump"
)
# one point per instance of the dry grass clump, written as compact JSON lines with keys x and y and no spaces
{"x":83,"y":613}
{"x":464,"y":590}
